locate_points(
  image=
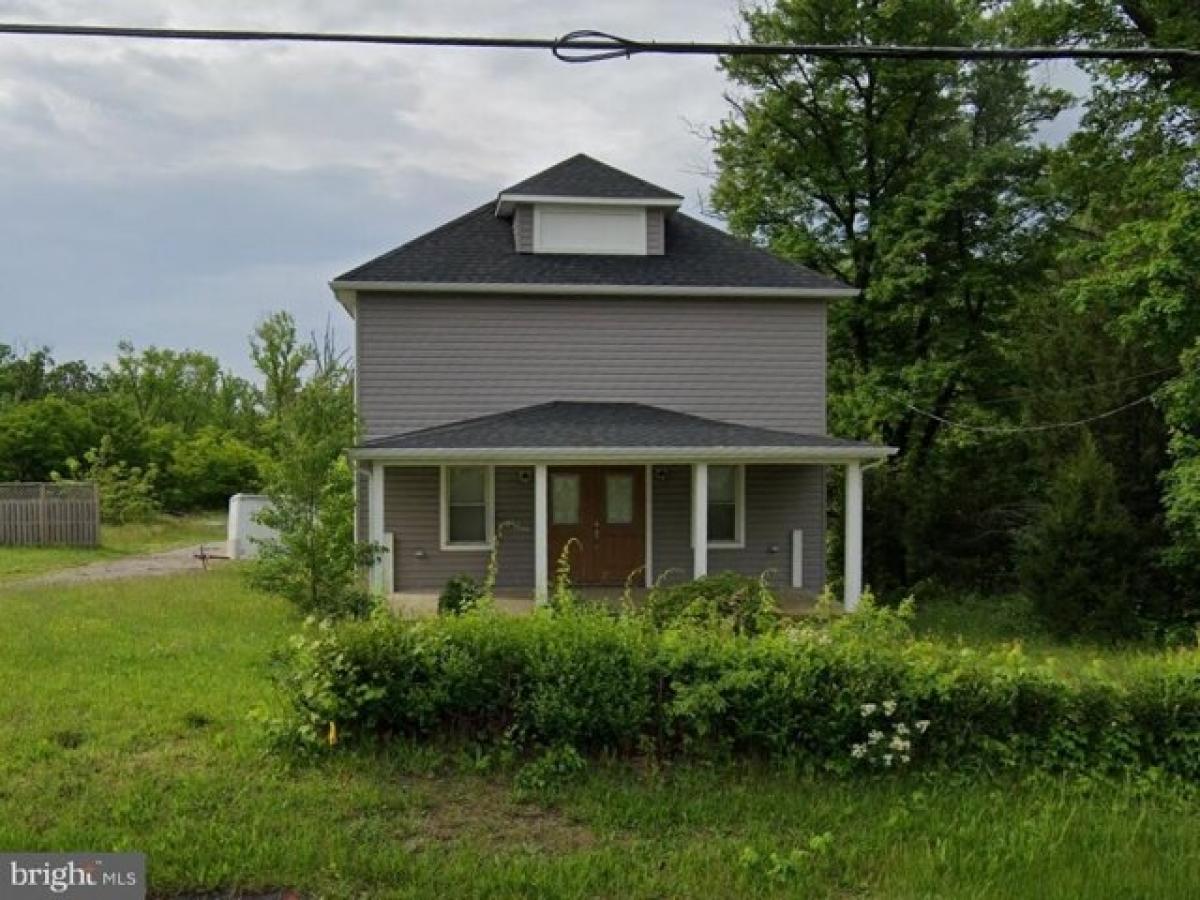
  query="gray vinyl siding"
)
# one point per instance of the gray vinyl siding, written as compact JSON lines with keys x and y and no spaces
{"x":412,"y":512}
{"x":671,"y":521}
{"x":779,"y":499}
{"x":523,"y":227}
{"x":428,"y":360}
{"x":655,"y":232}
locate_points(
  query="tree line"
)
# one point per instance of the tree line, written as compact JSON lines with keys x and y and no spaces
{"x":160,"y":429}
{"x":1008,"y":289}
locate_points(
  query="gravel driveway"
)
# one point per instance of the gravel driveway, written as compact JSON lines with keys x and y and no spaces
{"x":165,"y":562}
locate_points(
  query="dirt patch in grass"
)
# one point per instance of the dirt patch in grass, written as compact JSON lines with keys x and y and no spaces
{"x":485,"y":814}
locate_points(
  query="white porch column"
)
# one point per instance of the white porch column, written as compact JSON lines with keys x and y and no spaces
{"x":375,"y":525}
{"x":853,"y":538}
{"x":699,"y":520}
{"x":541,"y":529}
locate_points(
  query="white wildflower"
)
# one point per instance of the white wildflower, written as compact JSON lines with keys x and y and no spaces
{"x":889,"y":707}
{"x":922,"y":725}
{"x":868,"y":709}
{"x":875,"y":737}
{"x":906,"y":759}
{"x":898,"y":743}
{"x":901,"y":728}
{"x":858,"y":751}
{"x":887,"y":759}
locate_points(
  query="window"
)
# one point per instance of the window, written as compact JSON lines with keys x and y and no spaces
{"x":467,"y":507}
{"x":618,"y":499}
{"x":564,"y":499}
{"x":726,"y":490}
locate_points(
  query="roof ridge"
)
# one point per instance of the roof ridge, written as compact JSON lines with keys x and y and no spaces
{"x":650,"y":186}
{"x":565,"y":426}
{"x":448,"y":427}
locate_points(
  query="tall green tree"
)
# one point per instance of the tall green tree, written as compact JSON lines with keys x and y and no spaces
{"x":187,"y":389}
{"x":281,"y":356}
{"x":915,"y":182}
{"x":1072,"y":555}
{"x":314,"y":562}
{"x":1127,"y":188}
{"x":35,"y":374}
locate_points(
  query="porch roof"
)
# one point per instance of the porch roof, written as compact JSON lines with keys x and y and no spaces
{"x":580,"y":430}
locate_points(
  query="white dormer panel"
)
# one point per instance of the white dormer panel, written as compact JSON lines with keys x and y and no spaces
{"x":568,"y":228}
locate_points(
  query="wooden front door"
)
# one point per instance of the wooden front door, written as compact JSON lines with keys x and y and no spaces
{"x":603,"y":509}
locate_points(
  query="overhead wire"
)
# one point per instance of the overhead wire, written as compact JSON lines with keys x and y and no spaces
{"x":589,"y":45}
{"x":1023,"y":429}
{"x":1076,"y":389}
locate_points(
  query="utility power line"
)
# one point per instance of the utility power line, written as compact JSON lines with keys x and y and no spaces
{"x":1024,"y":429}
{"x":1052,"y":393}
{"x":593,"y":46}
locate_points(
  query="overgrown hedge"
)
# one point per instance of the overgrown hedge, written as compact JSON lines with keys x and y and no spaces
{"x":855,"y":691}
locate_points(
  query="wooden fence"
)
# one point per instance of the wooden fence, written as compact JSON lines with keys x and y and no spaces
{"x":36,"y":514}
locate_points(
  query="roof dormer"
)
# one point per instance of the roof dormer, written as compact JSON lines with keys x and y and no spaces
{"x":584,"y":206}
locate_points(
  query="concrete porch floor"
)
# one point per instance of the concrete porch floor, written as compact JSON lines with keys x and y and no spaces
{"x":519,"y":601}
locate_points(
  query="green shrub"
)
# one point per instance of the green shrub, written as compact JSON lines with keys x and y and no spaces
{"x":739,"y":603}
{"x":1078,"y":558}
{"x":839,"y":695}
{"x":127,"y":493}
{"x":37,"y":436}
{"x":208,"y":468}
{"x":461,"y":593}
{"x":314,"y":560}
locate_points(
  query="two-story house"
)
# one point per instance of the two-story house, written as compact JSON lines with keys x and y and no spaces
{"x":579,"y":359}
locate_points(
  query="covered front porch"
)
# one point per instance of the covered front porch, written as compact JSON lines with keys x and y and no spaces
{"x":628,"y":495}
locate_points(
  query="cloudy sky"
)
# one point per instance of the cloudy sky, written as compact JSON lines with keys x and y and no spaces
{"x":174,"y":193}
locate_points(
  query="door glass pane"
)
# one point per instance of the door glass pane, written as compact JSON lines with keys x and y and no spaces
{"x":466,"y":484}
{"x":722,"y":522}
{"x":564,"y":499}
{"x":467,"y":525}
{"x":721,"y":484}
{"x":618,"y":499}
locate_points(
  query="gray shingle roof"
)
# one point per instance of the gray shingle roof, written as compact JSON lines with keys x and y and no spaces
{"x":478,"y":248}
{"x":582,"y":176}
{"x":598,"y":425}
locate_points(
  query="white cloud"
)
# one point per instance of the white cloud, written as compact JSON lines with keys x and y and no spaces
{"x":172,"y":192}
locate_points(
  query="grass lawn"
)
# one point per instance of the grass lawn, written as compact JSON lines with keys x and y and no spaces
{"x":1008,"y":620}
{"x":115,"y":541}
{"x":125,"y":709}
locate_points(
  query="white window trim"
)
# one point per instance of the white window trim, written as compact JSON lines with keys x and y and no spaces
{"x":540,"y":247}
{"x":489,"y":512}
{"x":739,"y":511}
